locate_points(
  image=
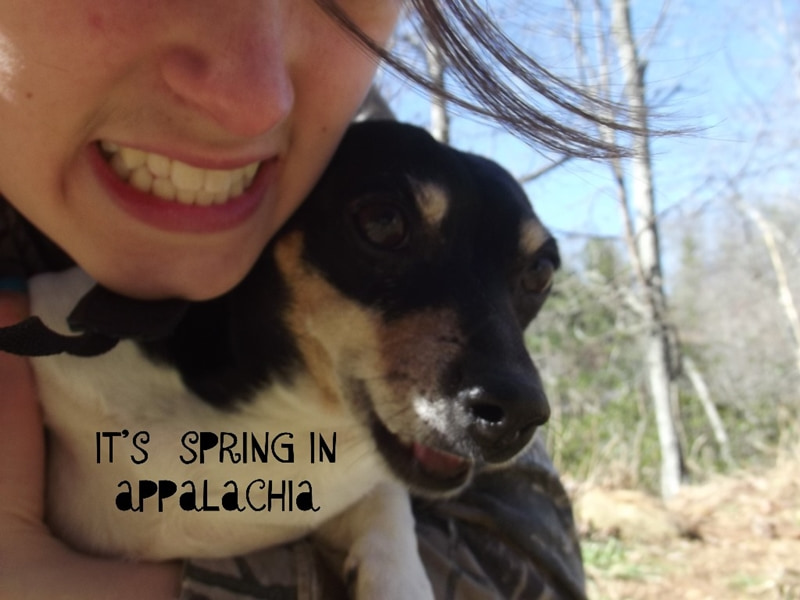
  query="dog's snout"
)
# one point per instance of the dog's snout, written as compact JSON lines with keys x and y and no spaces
{"x":503,"y":413}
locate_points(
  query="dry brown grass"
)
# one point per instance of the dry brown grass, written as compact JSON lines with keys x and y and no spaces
{"x":733,"y":537}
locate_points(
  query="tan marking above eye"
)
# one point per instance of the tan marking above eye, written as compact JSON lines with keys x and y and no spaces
{"x":532,"y":236}
{"x":432,"y":201}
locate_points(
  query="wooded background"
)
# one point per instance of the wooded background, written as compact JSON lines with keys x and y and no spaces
{"x":671,"y":346}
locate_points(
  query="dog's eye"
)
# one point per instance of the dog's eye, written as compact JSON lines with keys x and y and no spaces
{"x":538,"y":277}
{"x":382,"y":224}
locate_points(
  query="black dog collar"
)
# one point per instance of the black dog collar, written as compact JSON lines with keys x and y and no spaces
{"x":104,"y":318}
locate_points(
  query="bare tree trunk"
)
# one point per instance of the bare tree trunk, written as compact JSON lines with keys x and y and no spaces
{"x":440,"y":118}
{"x":717,"y":426}
{"x":657,"y":347}
{"x":793,"y":46}
{"x":374,"y":106}
{"x":785,"y":296}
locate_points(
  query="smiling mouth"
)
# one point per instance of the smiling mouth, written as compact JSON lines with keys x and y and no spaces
{"x":176,"y":181}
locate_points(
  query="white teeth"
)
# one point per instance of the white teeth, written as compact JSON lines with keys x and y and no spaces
{"x":119,"y":166}
{"x":164,"y":188}
{"x":186,"y":196}
{"x":133,"y":159}
{"x":187,"y":177}
{"x":237,"y":187}
{"x":141,"y":179}
{"x":158,"y":165}
{"x":218,"y":181}
{"x":110,"y":147}
{"x":205,"y":198}
{"x":250,"y":171}
{"x":175,"y":180}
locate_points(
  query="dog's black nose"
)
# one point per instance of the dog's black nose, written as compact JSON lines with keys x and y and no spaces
{"x":503,"y":411}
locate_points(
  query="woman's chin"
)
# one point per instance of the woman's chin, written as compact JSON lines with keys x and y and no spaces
{"x":190,"y":283}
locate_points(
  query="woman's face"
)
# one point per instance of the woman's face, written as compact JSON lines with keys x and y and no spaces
{"x":130,"y":130}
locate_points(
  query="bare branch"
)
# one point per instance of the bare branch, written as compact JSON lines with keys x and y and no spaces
{"x":544,"y":170}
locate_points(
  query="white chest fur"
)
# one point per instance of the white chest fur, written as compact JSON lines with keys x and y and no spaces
{"x":313,"y":458}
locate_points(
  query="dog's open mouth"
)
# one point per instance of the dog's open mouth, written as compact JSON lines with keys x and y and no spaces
{"x":424,"y":468}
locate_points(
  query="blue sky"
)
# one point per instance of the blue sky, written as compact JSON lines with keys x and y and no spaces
{"x":723,"y":65}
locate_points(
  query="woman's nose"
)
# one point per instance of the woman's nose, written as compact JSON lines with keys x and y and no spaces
{"x":234,"y":70}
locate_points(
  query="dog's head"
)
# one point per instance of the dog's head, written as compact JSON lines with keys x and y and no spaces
{"x":412,"y":271}
{"x":402,"y":286}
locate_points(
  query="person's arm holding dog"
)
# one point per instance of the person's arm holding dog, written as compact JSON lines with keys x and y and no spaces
{"x":33,"y":563}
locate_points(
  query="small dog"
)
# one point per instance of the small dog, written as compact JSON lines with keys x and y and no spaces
{"x":376,"y":347}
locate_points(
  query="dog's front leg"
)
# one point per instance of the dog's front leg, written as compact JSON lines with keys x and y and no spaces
{"x":378,"y":536}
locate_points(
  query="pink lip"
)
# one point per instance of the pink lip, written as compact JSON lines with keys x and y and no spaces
{"x":173,"y":216}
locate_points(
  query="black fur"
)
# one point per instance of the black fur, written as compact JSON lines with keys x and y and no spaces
{"x":226,"y":347}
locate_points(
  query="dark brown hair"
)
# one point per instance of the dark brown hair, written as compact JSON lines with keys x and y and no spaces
{"x":505,"y":83}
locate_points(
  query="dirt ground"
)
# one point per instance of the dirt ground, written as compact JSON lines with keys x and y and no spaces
{"x":733,"y":537}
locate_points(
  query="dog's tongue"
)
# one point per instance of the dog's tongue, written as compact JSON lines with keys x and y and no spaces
{"x":436,"y":462}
